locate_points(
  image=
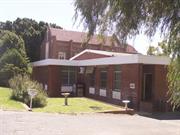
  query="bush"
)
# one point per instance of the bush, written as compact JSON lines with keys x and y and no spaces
{"x":20,"y":85}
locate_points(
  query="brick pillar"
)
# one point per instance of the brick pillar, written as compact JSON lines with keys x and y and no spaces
{"x":139,"y":85}
{"x":53,"y":81}
{"x":110,"y":81}
{"x":70,"y":49}
{"x":97,"y":83}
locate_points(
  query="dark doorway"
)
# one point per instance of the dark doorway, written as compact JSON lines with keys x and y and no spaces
{"x":147,"y":87}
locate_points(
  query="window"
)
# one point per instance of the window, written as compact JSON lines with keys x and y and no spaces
{"x":61,"y":55}
{"x":68,"y":76}
{"x":117,"y":78}
{"x":147,"y":87}
{"x":103,"y":78}
{"x":89,"y":70}
{"x":92,"y":78}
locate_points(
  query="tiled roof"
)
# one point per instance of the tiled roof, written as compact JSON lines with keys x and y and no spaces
{"x":80,"y":37}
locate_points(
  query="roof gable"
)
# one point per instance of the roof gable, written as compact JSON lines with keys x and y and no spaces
{"x":93,"y":54}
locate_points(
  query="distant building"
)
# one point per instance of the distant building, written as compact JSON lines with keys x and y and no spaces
{"x":63,"y":44}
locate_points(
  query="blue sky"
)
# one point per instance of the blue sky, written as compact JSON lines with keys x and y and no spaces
{"x":60,"y":12}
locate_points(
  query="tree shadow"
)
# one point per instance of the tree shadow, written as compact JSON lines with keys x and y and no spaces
{"x":161,"y":116}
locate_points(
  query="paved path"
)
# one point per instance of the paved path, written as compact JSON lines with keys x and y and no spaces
{"x":28,"y":123}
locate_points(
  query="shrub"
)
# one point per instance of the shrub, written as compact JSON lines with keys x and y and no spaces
{"x":20,"y":85}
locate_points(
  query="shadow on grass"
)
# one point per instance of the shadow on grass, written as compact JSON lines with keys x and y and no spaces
{"x":95,"y":107}
{"x":162,"y":116}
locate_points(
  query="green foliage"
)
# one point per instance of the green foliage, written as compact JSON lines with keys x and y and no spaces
{"x":174,"y":82}
{"x":152,"y":50}
{"x":31,"y":32}
{"x":13,"y":58}
{"x":9,"y":40}
{"x":161,"y":50}
{"x":20,"y":85}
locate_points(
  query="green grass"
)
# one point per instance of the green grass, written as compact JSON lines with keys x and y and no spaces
{"x":56,"y":105}
{"x":75,"y":105}
{"x":6,"y":103}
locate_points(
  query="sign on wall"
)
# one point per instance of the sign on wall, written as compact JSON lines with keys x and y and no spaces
{"x":132,"y":85}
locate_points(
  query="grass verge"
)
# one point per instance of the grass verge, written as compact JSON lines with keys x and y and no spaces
{"x":6,"y":103}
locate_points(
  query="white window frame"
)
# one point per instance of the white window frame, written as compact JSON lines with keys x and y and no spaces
{"x":61,"y":55}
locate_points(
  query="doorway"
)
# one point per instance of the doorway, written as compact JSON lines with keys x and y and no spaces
{"x":147,"y":87}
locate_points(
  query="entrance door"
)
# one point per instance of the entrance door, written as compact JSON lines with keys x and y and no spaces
{"x":147,"y":87}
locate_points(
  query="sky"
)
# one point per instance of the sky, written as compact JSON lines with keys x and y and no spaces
{"x":60,"y":12}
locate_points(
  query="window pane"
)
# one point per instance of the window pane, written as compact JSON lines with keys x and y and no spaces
{"x":68,"y":75}
{"x":92,"y":79}
{"x":117,"y":78}
{"x":103,"y":78}
{"x":71,"y":78}
{"x":64,"y":77}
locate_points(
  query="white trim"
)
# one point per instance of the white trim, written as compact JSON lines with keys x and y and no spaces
{"x":47,"y":45}
{"x":99,"y":52}
{"x":56,"y":62}
{"x":162,"y":60}
{"x":47,"y":50}
{"x":77,"y":55}
{"x":62,"y":55}
{"x":124,"y":59}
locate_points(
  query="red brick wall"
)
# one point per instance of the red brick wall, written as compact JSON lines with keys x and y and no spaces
{"x":72,"y":48}
{"x":161,"y":88}
{"x":131,"y":73}
{"x":40,"y":74}
{"x":54,"y":81}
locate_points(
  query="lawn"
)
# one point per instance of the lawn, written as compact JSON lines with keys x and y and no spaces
{"x":56,"y":105}
{"x":75,"y":105}
{"x":6,"y":103}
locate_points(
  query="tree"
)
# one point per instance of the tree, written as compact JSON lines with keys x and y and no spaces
{"x":13,"y":58}
{"x":128,"y":17}
{"x":161,"y":50}
{"x":31,"y":32}
{"x":152,"y":50}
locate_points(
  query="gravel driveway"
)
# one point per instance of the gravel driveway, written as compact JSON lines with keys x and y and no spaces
{"x":28,"y":123}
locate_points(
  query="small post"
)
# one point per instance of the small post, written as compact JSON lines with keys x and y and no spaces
{"x":30,"y":104}
{"x":65,"y":98}
{"x":32,"y":93}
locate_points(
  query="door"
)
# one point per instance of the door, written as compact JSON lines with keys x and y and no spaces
{"x":147,"y":87}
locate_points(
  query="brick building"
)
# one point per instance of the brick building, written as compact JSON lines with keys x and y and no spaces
{"x":107,"y":76}
{"x":63,"y":44}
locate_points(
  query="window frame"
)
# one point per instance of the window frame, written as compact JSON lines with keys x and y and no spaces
{"x":62,"y":55}
{"x":117,"y":80}
{"x":92,"y":78}
{"x":103,"y":80}
{"x":68,"y":71}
